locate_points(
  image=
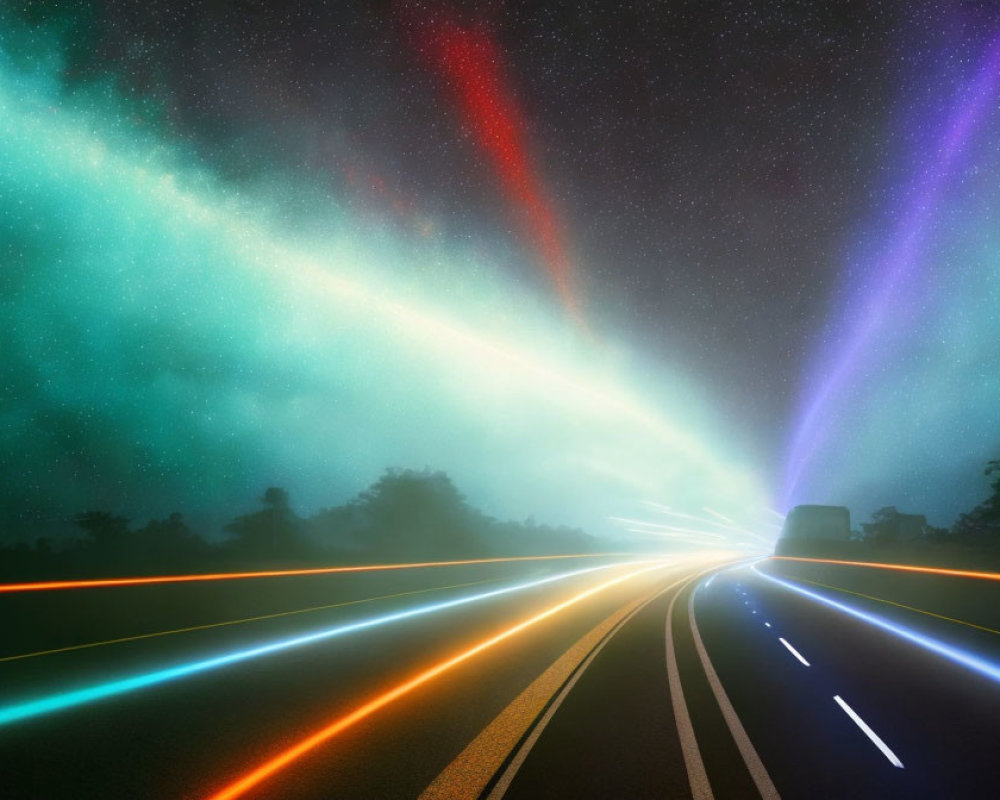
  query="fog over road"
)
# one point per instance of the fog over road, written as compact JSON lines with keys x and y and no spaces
{"x":583,"y":677}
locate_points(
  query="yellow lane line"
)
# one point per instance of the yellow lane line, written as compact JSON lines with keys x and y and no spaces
{"x":192,"y":628}
{"x":901,"y":605}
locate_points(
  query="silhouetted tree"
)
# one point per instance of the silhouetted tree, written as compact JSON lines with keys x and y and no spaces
{"x":883,"y":528}
{"x":407,"y":513}
{"x":106,"y":531}
{"x":411,"y":514}
{"x":990,"y":509}
{"x":338,"y":529}
{"x":404,"y":515}
{"x":983,"y":522}
{"x":168,"y":542}
{"x":275,"y":498}
{"x":272,"y":531}
{"x":530,"y":538}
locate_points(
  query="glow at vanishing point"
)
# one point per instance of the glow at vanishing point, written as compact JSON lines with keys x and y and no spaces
{"x":60,"y":701}
{"x":275,"y":764}
{"x":323,"y":357}
{"x":99,"y":583}
{"x":722,"y":527}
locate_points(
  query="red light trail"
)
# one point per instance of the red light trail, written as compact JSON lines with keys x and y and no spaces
{"x":472,"y":67}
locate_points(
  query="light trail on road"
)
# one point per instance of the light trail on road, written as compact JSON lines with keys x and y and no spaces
{"x":97,"y":583}
{"x":244,"y":620}
{"x":283,"y":759}
{"x":905,"y":607}
{"x":952,"y":573}
{"x":99,"y":691}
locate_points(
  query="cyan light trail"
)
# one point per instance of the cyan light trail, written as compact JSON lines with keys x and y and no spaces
{"x":60,"y":701}
{"x":872,"y":309}
{"x":230,"y":622}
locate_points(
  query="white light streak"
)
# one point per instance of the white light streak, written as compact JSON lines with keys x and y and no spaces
{"x":723,"y":517}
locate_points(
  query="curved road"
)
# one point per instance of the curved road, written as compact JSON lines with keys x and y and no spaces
{"x":582,"y":678}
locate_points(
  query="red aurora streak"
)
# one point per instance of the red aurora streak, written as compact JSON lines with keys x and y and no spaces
{"x":472,"y":68}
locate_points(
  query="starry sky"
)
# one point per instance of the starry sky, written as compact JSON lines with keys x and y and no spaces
{"x":583,"y":256}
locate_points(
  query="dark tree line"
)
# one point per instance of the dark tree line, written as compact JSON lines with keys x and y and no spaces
{"x":973,"y":541}
{"x":979,"y":527}
{"x":405,"y":515}
{"x":983,"y":522}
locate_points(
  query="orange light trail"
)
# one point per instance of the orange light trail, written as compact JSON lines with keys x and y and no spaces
{"x":952,"y":573}
{"x":283,"y":759}
{"x":284,"y":573}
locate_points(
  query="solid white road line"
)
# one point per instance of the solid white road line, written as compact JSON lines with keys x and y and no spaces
{"x":876,"y":740}
{"x":756,"y":767}
{"x":697,"y":776}
{"x":793,"y":651}
{"x":507,"y":777}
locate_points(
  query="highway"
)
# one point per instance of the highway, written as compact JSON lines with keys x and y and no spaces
{"x":613,"y":677}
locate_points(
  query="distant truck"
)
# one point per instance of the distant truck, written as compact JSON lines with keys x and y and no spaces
{"x":809,"y":529}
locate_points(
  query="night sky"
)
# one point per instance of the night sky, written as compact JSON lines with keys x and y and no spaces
{"x":582,"y":256}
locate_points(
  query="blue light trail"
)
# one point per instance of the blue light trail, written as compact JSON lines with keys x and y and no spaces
{"x":962,"y":657}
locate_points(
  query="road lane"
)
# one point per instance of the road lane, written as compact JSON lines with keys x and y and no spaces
{"x":939,"y":720}
{"x":184,"y":739}
{"x":491,"y":760}
{"x":616,"y":734}
{"x":341,"y":722}
{"x":833,"y":706}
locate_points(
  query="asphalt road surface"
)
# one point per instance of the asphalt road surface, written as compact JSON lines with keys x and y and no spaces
{"x":577,"y":678}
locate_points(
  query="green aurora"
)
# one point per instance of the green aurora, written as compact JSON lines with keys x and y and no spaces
{"x":172,"y":340}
